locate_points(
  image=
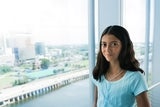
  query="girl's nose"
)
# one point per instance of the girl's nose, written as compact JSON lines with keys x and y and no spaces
{"x":107,"y":48}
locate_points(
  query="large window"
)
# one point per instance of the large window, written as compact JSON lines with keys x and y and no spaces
{"x":134,"y":19}
{"x":40,"y":39}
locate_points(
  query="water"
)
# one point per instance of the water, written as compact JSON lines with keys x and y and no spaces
{"x":73,"y":95}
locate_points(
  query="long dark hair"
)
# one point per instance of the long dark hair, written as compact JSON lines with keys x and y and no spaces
{"x":126,"y":57}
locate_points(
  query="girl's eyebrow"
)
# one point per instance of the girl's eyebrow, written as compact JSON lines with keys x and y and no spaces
{"x":110,"y":41}
{"x":103,"y":42}
{"x":114,"y":41}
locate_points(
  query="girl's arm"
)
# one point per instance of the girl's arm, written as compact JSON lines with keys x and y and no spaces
{"x":95,"y":96}
{"x":142,"y":100}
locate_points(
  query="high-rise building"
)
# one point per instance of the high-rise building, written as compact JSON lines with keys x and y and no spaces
{"x":40,"y":48}
{"x":22,"y":46}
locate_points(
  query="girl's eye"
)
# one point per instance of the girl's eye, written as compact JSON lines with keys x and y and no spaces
{"x":110,"y":45}
{"x":114,"y":44}
{"x":103,"y":44}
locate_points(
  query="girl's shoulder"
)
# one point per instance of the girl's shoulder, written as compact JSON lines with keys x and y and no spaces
{"x":134,"y":74}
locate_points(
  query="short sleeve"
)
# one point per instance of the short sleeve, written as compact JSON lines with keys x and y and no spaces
{"x":95,"y":82}
{"x":139,"y":84}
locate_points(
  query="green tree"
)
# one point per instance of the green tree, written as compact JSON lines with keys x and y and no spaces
{"x":45,"y":63}
{"x":5,"y":69}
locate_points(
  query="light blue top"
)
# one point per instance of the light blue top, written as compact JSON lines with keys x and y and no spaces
{"x":120,"y":93}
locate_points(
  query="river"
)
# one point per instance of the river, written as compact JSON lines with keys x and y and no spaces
{"x":73,"y":95}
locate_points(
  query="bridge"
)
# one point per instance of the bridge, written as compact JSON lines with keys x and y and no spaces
{"x":37,"y":87}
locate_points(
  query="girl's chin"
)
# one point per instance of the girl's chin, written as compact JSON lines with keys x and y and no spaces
{"x":108,"y":59}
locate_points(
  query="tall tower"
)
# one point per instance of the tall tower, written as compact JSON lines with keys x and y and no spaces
{"x":40,"y":48}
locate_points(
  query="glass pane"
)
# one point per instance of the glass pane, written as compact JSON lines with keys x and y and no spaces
{"x":42,"y":41}
{"x":134,"y":21}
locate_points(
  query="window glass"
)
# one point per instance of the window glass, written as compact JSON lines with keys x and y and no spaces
{"x":41,"y":39}
{"x":134,"y":19}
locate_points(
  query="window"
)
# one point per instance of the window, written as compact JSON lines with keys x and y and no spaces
{"x":40,"y":39}
{"x":134,"y":19}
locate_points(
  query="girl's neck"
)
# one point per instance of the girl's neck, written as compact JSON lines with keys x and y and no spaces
{"x":114,"y":68}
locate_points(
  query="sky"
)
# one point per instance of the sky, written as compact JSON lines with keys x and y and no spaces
{"x":61,"y":21}
{"x":51,"y":21}
{"x":134,"y":19}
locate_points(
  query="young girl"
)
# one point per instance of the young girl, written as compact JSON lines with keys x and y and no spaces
{"x":118,"y":79}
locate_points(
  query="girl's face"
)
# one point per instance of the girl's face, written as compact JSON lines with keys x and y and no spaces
{"x":110,"y":47}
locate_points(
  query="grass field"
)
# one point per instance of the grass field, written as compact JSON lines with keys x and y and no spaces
{"x":6,"y":80}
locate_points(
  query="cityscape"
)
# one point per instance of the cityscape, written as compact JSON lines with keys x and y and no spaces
{"x":24,"y":61}
{"x":20,"y":57}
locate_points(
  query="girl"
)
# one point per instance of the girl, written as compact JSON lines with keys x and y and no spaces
{"x":118,"y":79}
